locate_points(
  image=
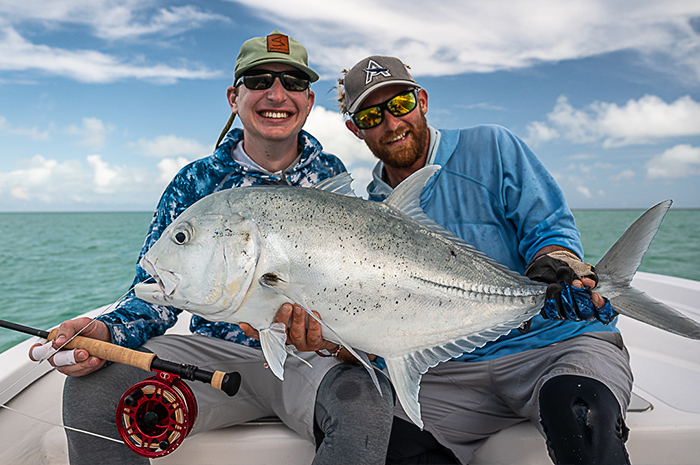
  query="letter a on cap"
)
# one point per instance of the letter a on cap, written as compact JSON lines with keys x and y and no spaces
{"x":374,"y":69}
{"x":278,"y":43}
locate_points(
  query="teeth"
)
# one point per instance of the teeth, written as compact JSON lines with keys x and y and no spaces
{"x":275,"y":114}
{"x":399,"y":137}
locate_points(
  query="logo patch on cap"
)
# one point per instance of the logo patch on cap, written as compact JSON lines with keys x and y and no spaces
{"x":278,"y":43}
{"x":375,"y":69}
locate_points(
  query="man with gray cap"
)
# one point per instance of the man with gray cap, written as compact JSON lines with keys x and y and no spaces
{"x":333,"y":404}
{"x":567,"y":372}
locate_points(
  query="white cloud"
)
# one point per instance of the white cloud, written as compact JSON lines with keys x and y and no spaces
{"x":584,"y":191}
{"x":475,"y":36}
{"x":329,"y":128}
{"x":33,"y":133}
{"x":168,"y":168}
{"x":45,"y":182}
{"x":636,"y":122}
{"x":111,"y":19}
{"x":172,"y":146}
{"x":538,"y":132}
{"x":624,"y":174}
{"x":92,"y":133}
{"x":18,"y":54}
{"x":681,"y":161}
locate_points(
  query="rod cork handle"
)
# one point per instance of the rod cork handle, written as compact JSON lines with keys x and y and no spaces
{"x":109,"y":351}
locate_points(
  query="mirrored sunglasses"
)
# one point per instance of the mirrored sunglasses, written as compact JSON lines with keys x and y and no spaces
{"x":293,"y":81}
{"x":399,"y":105}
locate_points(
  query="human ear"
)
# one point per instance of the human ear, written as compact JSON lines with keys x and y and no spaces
{"x":353,"y":128}
{"x":232,"y":98}
{"x":423,"y":100}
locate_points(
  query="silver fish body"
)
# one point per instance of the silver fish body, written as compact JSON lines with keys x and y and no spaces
{"x":383,"y":277}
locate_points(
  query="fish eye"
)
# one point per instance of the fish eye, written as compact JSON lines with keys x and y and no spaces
{"x":182,"y":234}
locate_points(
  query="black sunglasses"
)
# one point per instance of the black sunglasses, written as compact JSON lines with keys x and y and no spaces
{"x":293,"y":81}
{"x":399,"y":105}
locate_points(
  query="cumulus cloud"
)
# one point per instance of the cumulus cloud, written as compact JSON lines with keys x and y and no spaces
{"x":168,"y":168}
{"x":329,"y":127}
{"x":92,"y":133}
{"x":636,"y":122}
{"x":172,"y":146}
{"x":680,"y":161}
{"x":47,"y":182}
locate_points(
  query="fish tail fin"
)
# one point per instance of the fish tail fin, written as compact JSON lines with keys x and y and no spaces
{"x":619,"y":265}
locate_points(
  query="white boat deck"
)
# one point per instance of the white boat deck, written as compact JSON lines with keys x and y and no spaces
{"x":664,"y":419}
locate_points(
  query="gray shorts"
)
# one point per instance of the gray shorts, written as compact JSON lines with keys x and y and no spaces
{"x":261,"y":393}
{"x":463,"y":403}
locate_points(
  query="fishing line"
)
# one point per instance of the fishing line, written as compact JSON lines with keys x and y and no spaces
{"x":41,"y":420}
{"x":38,"y":364}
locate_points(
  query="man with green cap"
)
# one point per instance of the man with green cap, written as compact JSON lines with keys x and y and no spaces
{"x":334,"y":404}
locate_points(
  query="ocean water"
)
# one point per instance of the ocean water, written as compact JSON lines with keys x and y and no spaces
{"x":54,"y":266}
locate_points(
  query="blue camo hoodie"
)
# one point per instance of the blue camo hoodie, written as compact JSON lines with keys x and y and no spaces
{"x":134,"y":321}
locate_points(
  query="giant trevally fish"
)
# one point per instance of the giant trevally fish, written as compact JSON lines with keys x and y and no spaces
{"x":384,"y":277}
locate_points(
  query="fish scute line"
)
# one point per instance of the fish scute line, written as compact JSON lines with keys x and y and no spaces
{"x":481,"y":291}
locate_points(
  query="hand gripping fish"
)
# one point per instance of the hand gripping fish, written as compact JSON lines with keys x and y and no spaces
{"x":385,"y":278}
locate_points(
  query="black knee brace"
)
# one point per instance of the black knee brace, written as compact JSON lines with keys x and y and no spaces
{"x":582,"y":422}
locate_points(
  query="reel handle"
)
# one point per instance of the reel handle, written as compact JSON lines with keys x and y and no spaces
{"x":226,"y":382}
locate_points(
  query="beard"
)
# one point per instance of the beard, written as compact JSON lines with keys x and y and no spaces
{"x":407,"y":155}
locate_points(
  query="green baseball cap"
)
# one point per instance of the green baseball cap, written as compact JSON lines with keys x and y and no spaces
{"x":274,"y":48}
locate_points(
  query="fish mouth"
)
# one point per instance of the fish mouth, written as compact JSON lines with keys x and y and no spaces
{"x":167,"y":280}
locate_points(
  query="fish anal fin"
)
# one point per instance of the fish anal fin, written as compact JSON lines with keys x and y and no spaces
{"x":405,"y":378}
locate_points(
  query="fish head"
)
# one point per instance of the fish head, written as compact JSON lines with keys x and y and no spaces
{"x":204,"y":263}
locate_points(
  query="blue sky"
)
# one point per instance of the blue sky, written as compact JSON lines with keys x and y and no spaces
{"x":102,"y":101}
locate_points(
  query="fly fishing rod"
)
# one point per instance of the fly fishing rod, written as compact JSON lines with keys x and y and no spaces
{"x":155,"y":415}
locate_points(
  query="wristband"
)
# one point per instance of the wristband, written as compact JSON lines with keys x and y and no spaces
{"x":329,"y":353}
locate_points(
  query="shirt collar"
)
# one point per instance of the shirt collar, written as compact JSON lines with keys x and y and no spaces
{"x":378,"y":189}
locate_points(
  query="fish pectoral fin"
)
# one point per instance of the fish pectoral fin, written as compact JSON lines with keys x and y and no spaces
{"x":273,"y":341}
{"x":406,"y":376}
{"x":291,"y":351}
{"x":291,"y":291}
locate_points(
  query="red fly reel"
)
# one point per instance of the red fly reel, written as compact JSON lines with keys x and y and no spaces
{"x":156,"y":415}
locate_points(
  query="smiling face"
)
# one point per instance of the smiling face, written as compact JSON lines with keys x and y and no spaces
{"x":400,"y":142}
{"x":271,"y":115}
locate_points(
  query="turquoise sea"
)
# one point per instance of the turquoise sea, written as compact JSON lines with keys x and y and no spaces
{"x":54,"y":266}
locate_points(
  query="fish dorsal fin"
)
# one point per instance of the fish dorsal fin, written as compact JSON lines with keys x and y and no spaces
{"x":406,"y":196}
{"x":406,"y":199}
{"x":406,"y":371}
{"x":340,"y":184}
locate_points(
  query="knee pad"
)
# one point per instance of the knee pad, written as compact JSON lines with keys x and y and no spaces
{"x":582,"y":421}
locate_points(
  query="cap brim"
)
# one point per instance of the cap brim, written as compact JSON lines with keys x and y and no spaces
{"x":313,"y":77}
{"x":361,"y":98}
